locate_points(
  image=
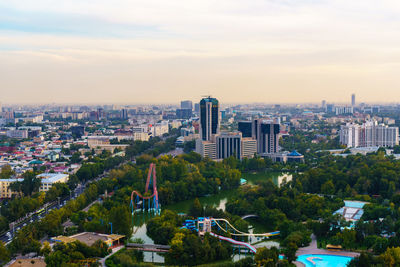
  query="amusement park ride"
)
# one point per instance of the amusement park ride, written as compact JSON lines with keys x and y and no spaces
{"x":202,"y":224}
{"x":139,"y":200}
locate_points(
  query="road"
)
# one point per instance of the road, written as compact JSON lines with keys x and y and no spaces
{"x":37,"y":215}
{"x":7,"y":237}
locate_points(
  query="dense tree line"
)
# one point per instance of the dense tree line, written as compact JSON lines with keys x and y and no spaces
{"x":374,"y":174}
{"x":72,"y":254}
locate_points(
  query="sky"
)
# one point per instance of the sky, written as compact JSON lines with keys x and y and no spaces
{"x":157,"y":51}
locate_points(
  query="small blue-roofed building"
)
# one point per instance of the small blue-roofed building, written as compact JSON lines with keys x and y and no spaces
{"x":48,"y":179}
{"x":294,"y":156}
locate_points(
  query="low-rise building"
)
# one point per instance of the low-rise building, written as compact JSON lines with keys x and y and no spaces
{"x":5,"y":191}
{"x":48,"y":179}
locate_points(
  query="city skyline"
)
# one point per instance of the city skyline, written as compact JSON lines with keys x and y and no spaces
{"x":135,"y":52}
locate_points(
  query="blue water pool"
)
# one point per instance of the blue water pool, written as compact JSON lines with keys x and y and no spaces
{"x":318,"y":260}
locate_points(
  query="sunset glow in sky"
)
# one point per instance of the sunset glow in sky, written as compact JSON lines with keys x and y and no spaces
{"x":154,"y":51}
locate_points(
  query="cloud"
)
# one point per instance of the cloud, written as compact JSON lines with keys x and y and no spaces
{"x":189,"y":46}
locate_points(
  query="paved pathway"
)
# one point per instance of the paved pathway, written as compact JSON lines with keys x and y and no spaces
{"x":114,"y":250}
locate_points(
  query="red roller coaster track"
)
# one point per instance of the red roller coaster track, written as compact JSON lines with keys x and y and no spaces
{"x":154,"y":196}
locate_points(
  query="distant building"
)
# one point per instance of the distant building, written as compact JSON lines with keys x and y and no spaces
{"x":159,"y":129}
{"x":369,"y":134}
{"x":187,"y":104}
{"x":197,"y":107}
{"x":78,"y":131}
{"x":94,"y":116}
{"x":95,"y":141}
{"x":141,"y":136}
{"x":330,"y":108}
{"x":343,"y":110}
{"x":124,"y":114}
{"x":18,"y":134}
{"x":323,"y":104}
{"x":182,"y":113}
{"x":353,"y":100}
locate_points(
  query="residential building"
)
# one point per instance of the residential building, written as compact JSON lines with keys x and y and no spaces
{"x":369,"y":134}
{"x":20,"y":134}
{"x":159,"y":129}
{"x":343,"y":110}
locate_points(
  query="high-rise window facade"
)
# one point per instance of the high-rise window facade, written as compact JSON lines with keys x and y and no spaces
{"x":209,"y":118}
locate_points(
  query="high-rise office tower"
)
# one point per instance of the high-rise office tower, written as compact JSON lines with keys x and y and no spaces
{"x":245,"y":127}
{"x":353,"y":100}
{"x":124,"y":114}
{"x":209,"y":118}
{"x":229,"y":144}
{"x":267,"y":135}
{"x":266,"y":132}
{"x":187,"y":104}
{"x":323,"y":105}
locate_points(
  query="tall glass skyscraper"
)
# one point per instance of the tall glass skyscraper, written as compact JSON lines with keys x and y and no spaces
{"x":209,"y":118}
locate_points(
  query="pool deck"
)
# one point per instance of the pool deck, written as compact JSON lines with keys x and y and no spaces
{"x":313,"y":249}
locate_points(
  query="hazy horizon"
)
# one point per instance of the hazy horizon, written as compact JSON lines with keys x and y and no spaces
{"x":271,"y":51}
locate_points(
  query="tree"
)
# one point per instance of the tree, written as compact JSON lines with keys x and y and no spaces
{"x":328,"y":188}
{"x":46,"y":249}
{"x":76,"y":157}
{"x":290,"y":252}
{"x":121,"y":220}
{"x":196,"y":209}
{"x":6,"y":172}
{"x":266,"y":257}
{"x":29,"y":185}
{"x":4,"y":254}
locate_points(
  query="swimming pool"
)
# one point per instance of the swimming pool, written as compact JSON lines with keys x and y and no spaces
{"x":318,"y":260}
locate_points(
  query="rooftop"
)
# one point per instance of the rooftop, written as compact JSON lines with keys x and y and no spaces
{"x":51,"y":177}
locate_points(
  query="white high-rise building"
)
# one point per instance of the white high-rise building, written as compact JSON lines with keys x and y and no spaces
{"x":369,"y":134}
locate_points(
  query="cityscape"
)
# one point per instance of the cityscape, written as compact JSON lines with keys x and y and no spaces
{"x":203,"y":133}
